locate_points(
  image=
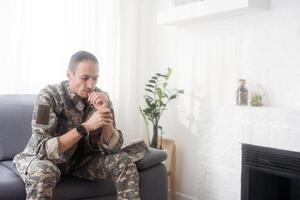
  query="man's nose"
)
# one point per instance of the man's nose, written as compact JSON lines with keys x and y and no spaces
{"x":91,"y":83}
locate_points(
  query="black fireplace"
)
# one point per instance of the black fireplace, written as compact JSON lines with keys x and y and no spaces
{"x":269,"y":174}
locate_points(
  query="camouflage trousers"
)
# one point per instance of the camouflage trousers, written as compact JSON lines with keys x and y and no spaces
{"x":43,"y":175}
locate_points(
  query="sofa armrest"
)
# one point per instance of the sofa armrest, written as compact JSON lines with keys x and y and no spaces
{"x":153,"y":157}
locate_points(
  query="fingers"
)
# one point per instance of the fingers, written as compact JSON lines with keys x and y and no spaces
{"x":106,"y":122}
{"x":106,"y":116}
{"x":104,"y":110}
{"x":98,"y":98}
{"x":98,"y":120}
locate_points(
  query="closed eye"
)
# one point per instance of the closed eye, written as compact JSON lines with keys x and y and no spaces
{"x":86,"y":78}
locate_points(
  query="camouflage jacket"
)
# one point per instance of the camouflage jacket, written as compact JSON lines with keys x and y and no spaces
{"x":57,"y":110}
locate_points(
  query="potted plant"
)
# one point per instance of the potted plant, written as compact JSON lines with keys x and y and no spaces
{"x":157,"y":97}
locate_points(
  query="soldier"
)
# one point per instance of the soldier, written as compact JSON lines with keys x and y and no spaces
{"x":74,"y":133}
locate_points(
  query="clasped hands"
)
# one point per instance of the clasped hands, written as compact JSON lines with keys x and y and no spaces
{"x":102,"y":117}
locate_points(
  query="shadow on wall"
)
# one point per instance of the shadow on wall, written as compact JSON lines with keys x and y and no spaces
{"x":189,"y":114}
{"x":183,"y":124}
{"x":186,"y":158}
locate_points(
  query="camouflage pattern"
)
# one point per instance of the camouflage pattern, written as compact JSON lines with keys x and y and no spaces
{"x":40,"y":179}
{"x":118,"y":167}
{"x":58,"y":110}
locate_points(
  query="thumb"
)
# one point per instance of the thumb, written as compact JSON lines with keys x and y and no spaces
{"x":104,"y":104}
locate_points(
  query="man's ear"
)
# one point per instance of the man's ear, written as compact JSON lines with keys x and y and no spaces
{"x":69,"y":74}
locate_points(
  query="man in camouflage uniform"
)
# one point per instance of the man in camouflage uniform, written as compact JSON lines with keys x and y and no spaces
{"x":74,"y":133}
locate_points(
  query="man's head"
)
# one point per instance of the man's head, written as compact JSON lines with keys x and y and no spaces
{"x":83,"y":72}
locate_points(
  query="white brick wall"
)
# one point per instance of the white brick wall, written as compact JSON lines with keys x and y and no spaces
{"x":220,"y":139}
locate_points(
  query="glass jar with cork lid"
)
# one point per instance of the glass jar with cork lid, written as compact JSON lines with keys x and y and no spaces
{"x":242,"y":93}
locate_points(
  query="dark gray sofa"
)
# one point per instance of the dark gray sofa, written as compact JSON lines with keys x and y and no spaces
{"x":15,"y":130}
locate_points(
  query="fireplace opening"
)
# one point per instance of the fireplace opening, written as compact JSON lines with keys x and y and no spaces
{"x":269,"y":174}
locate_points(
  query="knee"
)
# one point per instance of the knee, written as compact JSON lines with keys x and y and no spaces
{"x":125,"y":165}
{"x":43,"y":171}
{"x":124,"y":159}
{"x":119,"y":162}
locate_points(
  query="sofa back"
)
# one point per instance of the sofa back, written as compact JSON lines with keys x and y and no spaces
{"x":15,"y":123}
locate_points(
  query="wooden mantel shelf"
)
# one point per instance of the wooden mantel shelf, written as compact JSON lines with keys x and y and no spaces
{"x":209,"y":10}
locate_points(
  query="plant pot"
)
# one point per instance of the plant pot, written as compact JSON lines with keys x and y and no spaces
{"x":153,"y":143}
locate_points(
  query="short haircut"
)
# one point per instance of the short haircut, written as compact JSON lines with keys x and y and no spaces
{"x":80,"y":56}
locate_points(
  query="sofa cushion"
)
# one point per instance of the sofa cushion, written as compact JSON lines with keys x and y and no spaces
{"x":153,"y":157}
{"x":69,"y":187}
{"x":15,"y":123}
{"x":11,"y":186}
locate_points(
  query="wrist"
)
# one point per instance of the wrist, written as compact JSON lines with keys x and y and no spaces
{"x":107,"y":135}
{"x":110,"y":126}
{"x":108,"y":130}
{"x":81,"y":130}
{"x":87,"y":127}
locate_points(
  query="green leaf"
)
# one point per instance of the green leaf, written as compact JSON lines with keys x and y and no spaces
{"x":149,"y":97}
{"x":159,"y":93}
{"x":162,"y":103}
{"x":148,"y":111}
{"x":149,"y":103}
{"x":152,"y":81}
{"x":173,"y":96}
{"x":149,"y":85}
{"x":149,"y":90}
{"x":169,"y":73}
{"x":180,"y":91}
{"x":156,"y":114}
{"x":144,"y":111}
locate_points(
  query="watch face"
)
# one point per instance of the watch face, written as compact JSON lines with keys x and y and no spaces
{"x":81,"y":130}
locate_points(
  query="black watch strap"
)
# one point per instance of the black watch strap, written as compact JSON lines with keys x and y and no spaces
{"x":81,"y":130}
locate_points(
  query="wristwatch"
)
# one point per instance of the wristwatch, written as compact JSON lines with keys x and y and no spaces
{"x":81,"y":130}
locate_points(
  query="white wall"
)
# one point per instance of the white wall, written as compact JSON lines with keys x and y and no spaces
{"x":127,"y":110}
{"x":207,"y":59}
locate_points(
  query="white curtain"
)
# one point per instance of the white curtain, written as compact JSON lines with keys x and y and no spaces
{"x":38,"y":37}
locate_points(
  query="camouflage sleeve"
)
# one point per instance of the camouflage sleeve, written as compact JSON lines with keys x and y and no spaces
{"x":113,"y":141}
{"x":52,"y":149}
{"x":44,"y":122}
